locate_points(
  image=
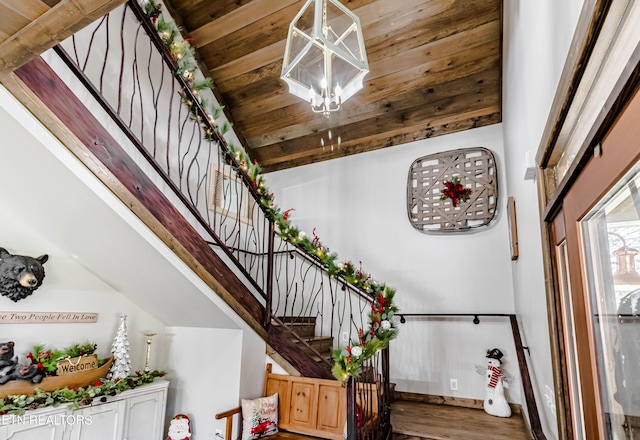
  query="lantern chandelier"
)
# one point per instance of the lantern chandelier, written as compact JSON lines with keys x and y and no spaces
{"x":324,"y":60}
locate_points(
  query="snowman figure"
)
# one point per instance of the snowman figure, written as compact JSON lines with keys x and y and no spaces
{"x":494,"y":402}
{"x":179,"y":428}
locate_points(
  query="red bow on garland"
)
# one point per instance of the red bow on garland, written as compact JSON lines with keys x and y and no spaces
{"x":454,"y":190}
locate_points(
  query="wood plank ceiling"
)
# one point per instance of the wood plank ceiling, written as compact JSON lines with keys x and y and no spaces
{"x":435,"y":68}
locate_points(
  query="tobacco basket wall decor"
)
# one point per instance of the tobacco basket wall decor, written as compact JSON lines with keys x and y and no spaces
{"x":452,"y":191}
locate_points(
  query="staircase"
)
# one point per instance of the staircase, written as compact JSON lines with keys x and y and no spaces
{"x":167,"y":174}
{"x":303,"y":334}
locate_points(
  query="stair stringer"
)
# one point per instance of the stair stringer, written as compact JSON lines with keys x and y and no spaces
{"x":40,"y":89}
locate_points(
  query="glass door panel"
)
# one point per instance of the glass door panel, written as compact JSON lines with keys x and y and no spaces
{"x":611,"y":239}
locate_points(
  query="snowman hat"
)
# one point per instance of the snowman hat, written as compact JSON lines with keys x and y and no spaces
{"x":495,"y":353}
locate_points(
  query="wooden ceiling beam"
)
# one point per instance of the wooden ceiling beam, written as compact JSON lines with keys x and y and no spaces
{"x":197,"y":13}
{"x":14,"y":15}
{"x":239,"y":18}
{"x":264,"y":32}
{"x":50,"y":28}
{"x":250,"y":62}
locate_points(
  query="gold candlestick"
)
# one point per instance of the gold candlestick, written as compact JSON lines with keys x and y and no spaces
{"x":146,"y":362}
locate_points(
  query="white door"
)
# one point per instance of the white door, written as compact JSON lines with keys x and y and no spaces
{"x":34,"y":427}
{"x":100,"y":422}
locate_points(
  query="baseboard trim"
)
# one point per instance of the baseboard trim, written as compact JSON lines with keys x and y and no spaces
{"x":449,"y":400}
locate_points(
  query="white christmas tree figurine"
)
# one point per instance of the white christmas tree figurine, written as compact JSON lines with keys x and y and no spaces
{"x":121,"y":367}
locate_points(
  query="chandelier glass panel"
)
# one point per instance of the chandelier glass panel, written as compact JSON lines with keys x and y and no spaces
{"x":325,"y":61}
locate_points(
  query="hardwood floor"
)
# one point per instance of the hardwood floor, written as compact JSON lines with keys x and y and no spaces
{"x":418,"y":421}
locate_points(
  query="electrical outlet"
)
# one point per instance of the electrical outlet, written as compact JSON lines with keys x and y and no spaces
{"x":453,"y":383}
{"x":345,"y":336}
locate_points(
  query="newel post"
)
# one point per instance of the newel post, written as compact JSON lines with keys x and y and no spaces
{"x":352,"y":424}
{"x":270,"y":255}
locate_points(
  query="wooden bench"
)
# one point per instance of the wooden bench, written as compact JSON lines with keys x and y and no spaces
{"x":307,"y":407}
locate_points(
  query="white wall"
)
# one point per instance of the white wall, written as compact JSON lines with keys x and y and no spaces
{"x":358,"y":207}
{"x":68,"y":285}
{"x":103,"y":259}
{"x":203,"y":383}
{"x":206,"y":380}
{"x":537,"y":36}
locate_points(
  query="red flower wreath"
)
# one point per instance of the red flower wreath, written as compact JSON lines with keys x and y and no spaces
{"x":454,"y":190}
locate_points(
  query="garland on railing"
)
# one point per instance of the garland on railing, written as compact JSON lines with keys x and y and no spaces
{"x":382,"y":327}
{"x":183,"y":54}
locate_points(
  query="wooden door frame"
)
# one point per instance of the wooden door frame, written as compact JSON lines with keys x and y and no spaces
{"x":566,"y":114}
{"x":620,"y":151}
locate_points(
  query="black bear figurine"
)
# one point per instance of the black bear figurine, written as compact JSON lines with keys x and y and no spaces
{"x":28,"y":372}
{"x":20,"y":275}
{"x":7,"y":356}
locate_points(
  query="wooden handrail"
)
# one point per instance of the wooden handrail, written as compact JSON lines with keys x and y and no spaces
{"x":532,"y":408}
{"x":229,"y":416}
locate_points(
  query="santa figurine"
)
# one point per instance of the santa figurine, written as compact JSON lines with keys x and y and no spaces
{"x":494,"y":402}
{"x":179,"y":428}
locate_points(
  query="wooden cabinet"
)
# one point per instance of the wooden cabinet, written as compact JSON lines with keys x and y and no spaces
{"x":309,"y":406}
{"x":331,"y":408}
{"x":132,"y":415}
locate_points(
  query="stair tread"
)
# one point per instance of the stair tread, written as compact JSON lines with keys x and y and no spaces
{"x":297,"y":319}
{"x":316,"y":338}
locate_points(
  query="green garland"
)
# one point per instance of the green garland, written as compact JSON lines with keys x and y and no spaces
{"x":183,"y":55}
{"x":382,"y":328}
{"x":47,"y":360}
{"x":75,"y":396}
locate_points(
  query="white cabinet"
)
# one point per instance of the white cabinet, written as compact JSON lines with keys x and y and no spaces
{"x":145,"y":411}
{"x":27,"y":428}
{"x":132,"y":415}
{"x":104,"y":422}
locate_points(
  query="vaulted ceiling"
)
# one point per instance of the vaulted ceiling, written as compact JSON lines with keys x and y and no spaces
{"x":435,"y":68}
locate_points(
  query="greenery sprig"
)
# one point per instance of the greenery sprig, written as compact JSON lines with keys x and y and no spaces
{"x":183,"y":54}
{"x":46,"y":360}
{"x":382,"y":328}
{"x":74,"y":397}
{"x":348,"y":361}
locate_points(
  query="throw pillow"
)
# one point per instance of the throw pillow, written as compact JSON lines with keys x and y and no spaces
{"x":259,"y":417}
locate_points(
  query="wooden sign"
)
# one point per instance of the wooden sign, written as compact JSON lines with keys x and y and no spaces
{"x":46,"y":317}
{"x":77,"y":364}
